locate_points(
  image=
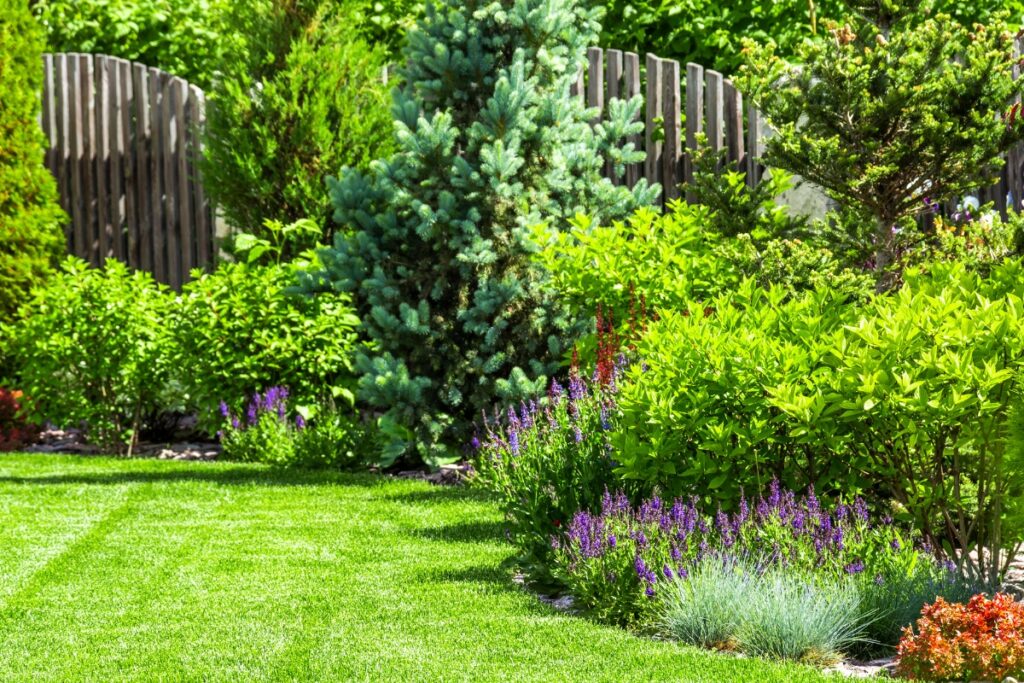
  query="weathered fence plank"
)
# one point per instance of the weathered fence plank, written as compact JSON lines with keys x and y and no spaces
{"x":140,"y":240}
{"x":631,"y":88}
{"x":122,"y":145}
{"x":104,"y":229}
{"x":652,"y":141}
{"x":694,"y":118}
{"x":613,"y":83}
{"x":672,"y":152}
{"x":734,"y":124}
{"x":595,"y":81}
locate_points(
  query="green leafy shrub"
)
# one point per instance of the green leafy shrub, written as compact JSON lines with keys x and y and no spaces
{"x":438,"y":257}
{"x":92,"y":348}
{"x":31,"y":239}
{"x":238,"y":330}
{"x":924,"y":392}
{"x":699,"y":419}
{"x":305,"y":99}
{"x":667,"y":260}
{"x":183,"y":37}
{"x":711,"y":33}
{"x":652,"y":263}
{"x":914,"y":397}
{"x":900,"y":106}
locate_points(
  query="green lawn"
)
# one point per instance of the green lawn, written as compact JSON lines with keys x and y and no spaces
{"x":144,"y":570}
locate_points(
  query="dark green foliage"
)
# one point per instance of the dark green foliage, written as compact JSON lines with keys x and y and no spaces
{"x":711,"y":32}
{"x":736,"y":208}
{"x":896,"y":107}
{"x":183,"y":37}
{"x":238,"y":331}
{"x":92,"y":348}
{"x":306,"y":98}
{"x":490,"y":144}
{"x":30,"y":236}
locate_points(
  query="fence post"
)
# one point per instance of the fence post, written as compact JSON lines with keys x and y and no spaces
{"x":673,"y":150}
{"x":653,"y":146}
{"x":694,"y":119}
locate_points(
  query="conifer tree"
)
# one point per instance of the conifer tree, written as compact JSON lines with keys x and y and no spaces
{"x":490,"y":145}
{"x":898,"y":106}
{"x":31,"y":238}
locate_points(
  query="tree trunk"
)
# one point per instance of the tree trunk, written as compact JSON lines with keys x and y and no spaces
{"x":885,"y":255}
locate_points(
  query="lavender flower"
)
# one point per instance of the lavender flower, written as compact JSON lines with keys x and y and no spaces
{"x":224,"y":411}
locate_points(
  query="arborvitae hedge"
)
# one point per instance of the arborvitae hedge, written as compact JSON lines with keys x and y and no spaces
{"x":30,"y":218}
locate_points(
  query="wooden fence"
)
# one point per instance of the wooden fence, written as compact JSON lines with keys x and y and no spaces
{"x":123,"y":144}
{"x":680,"y":104}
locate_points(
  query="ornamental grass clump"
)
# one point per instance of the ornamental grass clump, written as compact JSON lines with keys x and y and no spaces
{"x":704,"y":607}
{"x":617,"y":562}
{"x":722,"y":602}
{"x":804,"y":618}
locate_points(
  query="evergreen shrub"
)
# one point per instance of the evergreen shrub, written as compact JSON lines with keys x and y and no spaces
{"x":898,"y":107}
{"x":31,"y":238}
{"x":437,"y":253}
{"x":304,"y":99}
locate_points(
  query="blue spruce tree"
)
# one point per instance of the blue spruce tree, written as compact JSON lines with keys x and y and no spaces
{"x":437,"y":252}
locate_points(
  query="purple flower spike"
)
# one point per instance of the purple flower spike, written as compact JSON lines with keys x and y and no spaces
{"x":860,"y":509}
{"x":855,"y":567}
{"x":300,"y":423}
{"x":224,"y":412}
{"x":667,"y":571}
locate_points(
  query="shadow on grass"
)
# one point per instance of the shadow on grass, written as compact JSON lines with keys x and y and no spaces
{"x":464,"y":532}
{"x":219,"y":474}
